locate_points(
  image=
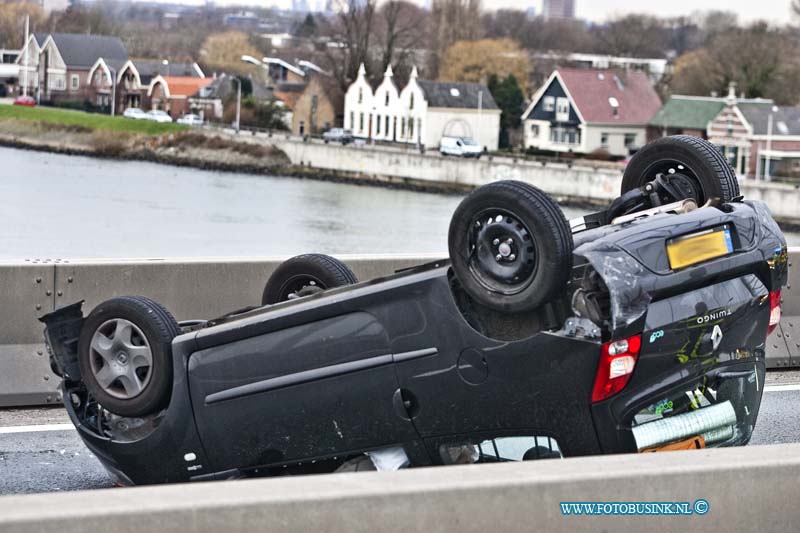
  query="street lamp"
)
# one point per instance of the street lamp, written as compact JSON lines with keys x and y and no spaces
{"x":238,"y":101}
{"x":113,"y":90}
{"x":769,"y":142}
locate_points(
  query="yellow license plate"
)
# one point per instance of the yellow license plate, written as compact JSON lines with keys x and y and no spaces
{"x":699,"y":247}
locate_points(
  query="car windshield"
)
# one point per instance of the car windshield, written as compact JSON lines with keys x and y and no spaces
{"x":157,"y":112}
{"x":469,"y":141}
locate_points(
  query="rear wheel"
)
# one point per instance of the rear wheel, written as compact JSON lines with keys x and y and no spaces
{"x":125,"y":355}
{"x":695,"y":168}
{"x":510,"y":246}
{"x":305,"y":275}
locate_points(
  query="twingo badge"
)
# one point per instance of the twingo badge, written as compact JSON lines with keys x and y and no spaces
{"x":716,"y":315}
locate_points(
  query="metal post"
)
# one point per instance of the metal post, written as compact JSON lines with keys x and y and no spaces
{"x":25,"y":72}
{"x":769,"y":144}
{"x":113,"y":90}
{"x":238,"y":103}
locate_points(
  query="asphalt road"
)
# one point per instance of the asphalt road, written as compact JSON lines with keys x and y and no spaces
{"x":40,"y":452}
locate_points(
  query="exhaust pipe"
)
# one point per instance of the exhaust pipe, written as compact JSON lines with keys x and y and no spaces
{"x":714,"y":423}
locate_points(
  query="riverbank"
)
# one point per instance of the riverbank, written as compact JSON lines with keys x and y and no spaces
{"x":181,"y":147}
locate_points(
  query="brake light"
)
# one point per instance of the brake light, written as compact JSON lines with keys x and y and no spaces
{"x":617,"y":361}
{"x":774,"y":310}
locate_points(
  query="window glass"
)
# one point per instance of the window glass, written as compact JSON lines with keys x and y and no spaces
{"x":500,"y":449}
{"x":549,"y":103}
{"x":604,"y":139}
{"x":630,"y":139}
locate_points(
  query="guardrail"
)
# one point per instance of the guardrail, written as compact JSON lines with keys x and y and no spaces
{"x":197,"y":288}
{"x":745,"y":489}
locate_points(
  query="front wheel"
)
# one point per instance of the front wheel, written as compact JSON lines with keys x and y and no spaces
{"x":125,"y":355}
{"x":693,"y":166}
{"x":510,"y":246}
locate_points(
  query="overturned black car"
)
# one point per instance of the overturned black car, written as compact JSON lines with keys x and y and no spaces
{"x":639,"y":328}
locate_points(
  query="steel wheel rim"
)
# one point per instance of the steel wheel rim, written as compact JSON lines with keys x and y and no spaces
{"x":502,"y":251}
{"x":688,"y":182}
{"x":121,"y":359}
{"x":300,"y":286}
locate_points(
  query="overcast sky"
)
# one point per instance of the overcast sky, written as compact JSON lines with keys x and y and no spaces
{"x":774,"y":10}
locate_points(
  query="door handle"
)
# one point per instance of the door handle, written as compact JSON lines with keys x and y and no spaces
{"x":405,"y":404}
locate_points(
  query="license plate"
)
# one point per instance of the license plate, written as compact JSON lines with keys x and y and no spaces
{"x":698,"y":247}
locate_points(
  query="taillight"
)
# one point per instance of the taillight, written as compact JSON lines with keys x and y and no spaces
{"x":617,"y":361}
{"x":774,"y":310}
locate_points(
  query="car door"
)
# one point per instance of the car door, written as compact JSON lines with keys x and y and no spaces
{"x":313,"y":390}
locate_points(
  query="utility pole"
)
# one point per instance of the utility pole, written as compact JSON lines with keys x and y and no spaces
{"x":25,"y":48}
{"x":238,"y":101}
{"x":769,"y":143}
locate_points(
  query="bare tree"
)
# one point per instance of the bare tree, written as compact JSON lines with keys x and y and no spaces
{"x":451,"y":21}
{"x":632,"y":35}
{"x":350,"y":33}
{"x":399,"y":27}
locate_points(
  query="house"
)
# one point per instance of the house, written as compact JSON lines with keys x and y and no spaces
{"x":422,"y":112}
{"x":172,"y":93}
{"x":57,"y":65}
{"x":587,"y":110}
{"x":690,"y":115}
{"x":318,"y":107}
{"x":133,"y":79}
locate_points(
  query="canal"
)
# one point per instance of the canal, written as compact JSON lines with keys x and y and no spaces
{"x":59,"y":206}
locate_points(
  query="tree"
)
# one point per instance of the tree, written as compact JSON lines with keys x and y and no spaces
{"x":307,"y":28}
{"x":450,"y":21}
{"x":476,"y":61}
{"x":350,"y":33}
{"x":632,"y":35}
{"x":224,"y":51}
{"x":398,"y":28}
{"x":510,"y":99}
{"x":762,"y":61}
{"x":12,"y":22}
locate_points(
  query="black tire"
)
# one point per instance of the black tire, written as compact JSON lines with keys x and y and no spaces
{"x":157,"y":327}
{"x":708,"y":172}
{"x":304,"y":275}
{"x":536,"y":263}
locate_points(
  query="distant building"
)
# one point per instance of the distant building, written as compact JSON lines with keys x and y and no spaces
{"x":172,"y":93}
{"x":558,"y":9}
{"x":655,"y":68}
{"x":684,"y":115}
{"x":56,"y":66}
{"x":422,"y":112}
{"x":584,"y":110}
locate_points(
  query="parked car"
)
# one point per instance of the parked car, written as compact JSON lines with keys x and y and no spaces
{"x":338,"y":135}
{"x":635,"y":329}
{"x":157,"y":115}
{"x":460,"y":146}
{"x":191,"y":120}
{"x":135,"y":113}
{"x":27,"y":101}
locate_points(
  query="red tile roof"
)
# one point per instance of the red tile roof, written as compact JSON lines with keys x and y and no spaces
{"x":185,"y":85}
{"x":591,"y":90}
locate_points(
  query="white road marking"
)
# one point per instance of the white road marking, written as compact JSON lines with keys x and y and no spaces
{"x":782,"y":388}
{"x":37,"y":428}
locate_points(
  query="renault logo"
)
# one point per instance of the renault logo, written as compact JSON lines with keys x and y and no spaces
{"x":716,"y":336}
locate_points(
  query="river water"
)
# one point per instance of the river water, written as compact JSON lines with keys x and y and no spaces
{"x":69,"y":207}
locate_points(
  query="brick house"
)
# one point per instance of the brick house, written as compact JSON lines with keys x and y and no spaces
{"x":172,"y":93}
{"x":587,"y":110}
{"x":58,"y":64}
{"x":684,"y":115}
{"x":318,"y":107}
{"x":133,"y":79}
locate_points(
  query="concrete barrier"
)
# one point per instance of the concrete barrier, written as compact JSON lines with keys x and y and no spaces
{"x":197,"y":289}
{"x":747,"y":489}
{"x":579,"y":181}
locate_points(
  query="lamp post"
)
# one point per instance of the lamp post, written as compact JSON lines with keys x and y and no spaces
{"x":769,"y":142}
{"x":238,"y":102}
{"x":113,"y":90}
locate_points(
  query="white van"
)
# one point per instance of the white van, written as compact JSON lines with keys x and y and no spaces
{"x":460,"y":146}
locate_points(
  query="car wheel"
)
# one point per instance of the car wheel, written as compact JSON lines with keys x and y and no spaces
{"x":305,"y":275}
{"x":696,"y":169}
{"x":510,"y":246}
{"x":125,"y":355}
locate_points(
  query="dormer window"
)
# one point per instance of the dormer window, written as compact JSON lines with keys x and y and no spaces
{"x":614,"y":103}
{"x":549,"y":104}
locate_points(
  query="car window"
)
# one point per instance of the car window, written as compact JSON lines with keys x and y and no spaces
{"x":500,"y":449}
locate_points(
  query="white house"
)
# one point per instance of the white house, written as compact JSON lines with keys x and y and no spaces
{"x":422,"y":112}
{"x":586,"y":110}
